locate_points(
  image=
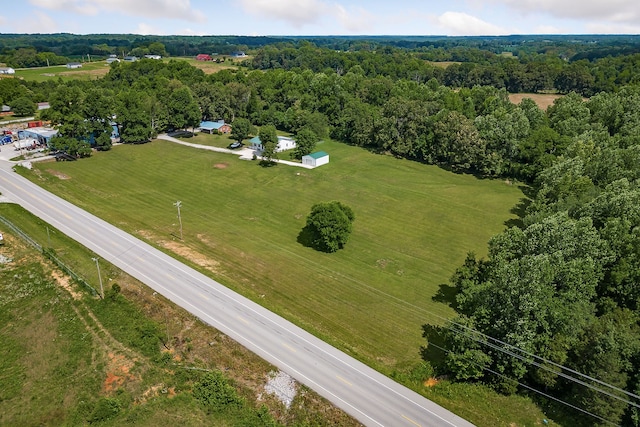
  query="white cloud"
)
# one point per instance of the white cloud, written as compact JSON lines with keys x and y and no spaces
{"x":172,"y":9}
{"x":358,"y":20}
{"x":190,"y":32}
{"x":549,"y":29}
{"x":462,"y":24}
{"x":612,"y":28}
{"x":296,"y":12}
{"x":622,"y":11}
{"x":146,"y":29}
{"x":42,"y":23}
{"x":300,"y":13}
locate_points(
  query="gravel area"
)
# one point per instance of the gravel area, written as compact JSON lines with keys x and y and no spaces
{"x":282,"y":386}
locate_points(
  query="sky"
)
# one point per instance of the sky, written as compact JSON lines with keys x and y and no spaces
{"x":321,"y":17}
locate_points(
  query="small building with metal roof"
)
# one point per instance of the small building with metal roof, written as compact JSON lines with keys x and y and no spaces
{"x":316,"y":159}
{"x":218,"y":126}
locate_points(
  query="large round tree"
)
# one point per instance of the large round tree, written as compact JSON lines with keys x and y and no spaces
{"x":329,"y":225}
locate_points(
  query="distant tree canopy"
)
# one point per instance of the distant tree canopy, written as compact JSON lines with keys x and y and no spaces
{"x":23,"y":106}
{"x":469,"y":130}
{"x":329,"y":225}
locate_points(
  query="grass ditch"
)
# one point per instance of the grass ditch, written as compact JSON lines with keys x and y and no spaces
{"x":69,"y":358}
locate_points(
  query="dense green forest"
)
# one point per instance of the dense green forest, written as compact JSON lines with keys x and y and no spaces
{"x":559,"y":292}
{"x":584,"y":64}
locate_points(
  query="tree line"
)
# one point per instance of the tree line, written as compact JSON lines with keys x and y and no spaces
{"x":528,"y":71}
{"x":563,"y":287}
{"x":476,"y":130}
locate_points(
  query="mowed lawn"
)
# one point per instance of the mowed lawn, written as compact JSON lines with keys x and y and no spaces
{"x":414,"y":225}
{"x":88,"y":71}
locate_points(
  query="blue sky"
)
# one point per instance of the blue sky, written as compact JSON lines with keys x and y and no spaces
{"x":321,"y":17}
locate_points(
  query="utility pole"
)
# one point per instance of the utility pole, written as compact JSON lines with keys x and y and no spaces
{"x":99,"y":277}
{"x":177,"y":205}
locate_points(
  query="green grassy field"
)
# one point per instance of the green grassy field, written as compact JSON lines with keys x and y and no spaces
{"x":97,"y":69}
{"x":210,"y":67}
{"x":89,"y":71}
{"x":414,"y":225}
{"x":214,"y":140}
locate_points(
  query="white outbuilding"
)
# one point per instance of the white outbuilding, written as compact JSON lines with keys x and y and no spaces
{"x":316,"y":159}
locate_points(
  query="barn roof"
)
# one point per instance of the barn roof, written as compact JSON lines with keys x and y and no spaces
{"x":318,"y":155}
{"x":211,"y":125}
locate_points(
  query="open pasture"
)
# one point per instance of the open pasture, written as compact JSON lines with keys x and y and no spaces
{"x":89,"y":71}
{"x":414,"y":225}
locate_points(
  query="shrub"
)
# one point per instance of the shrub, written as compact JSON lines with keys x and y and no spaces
{"x":105,"y":409}
{"x":215,"y":392}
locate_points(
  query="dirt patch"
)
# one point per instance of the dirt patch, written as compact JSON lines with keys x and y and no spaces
{"x":155,"y":391}
{"x":431,"y":382}
{"x":99,"y":72}
{"x":191,"y":255}
{"x":118,"y":371}
{"x":64,"y":282}
{"x":543,"y":100}
{"x":221,"y":165}
{"x":58,"y":174}
{"x":184,"y":251}
{"x":443,"y":64}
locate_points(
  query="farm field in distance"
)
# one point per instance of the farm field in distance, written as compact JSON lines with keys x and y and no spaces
{"x":89,"y":71}
{"x":414,"y":225}
{"x":96,"y":69}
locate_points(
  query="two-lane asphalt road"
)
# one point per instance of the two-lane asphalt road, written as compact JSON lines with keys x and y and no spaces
{"x":367,"y":395}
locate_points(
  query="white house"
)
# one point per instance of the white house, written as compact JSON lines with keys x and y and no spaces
{"x":7,"y":70}
{"x":112,"y":59}
{"x":153,"y":56}
{"x":73,"y":65}
{"x":316,"y":159}
{"x":284,"y":143}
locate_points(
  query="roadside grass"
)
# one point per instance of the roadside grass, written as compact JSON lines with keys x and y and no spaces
{"x":89,"y":71}
{"x":131,"y":359}
{"x":414,"y":225}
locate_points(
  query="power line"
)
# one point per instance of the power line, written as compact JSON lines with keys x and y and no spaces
{"x":420,"y":310}
{"x":488,"y":338}
{"x":584,"y":411}
{"x":562,"y":367}
{"x":561,"y":374}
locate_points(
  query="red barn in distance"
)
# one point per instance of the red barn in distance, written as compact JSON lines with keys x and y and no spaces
{"x":204,"y":57}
